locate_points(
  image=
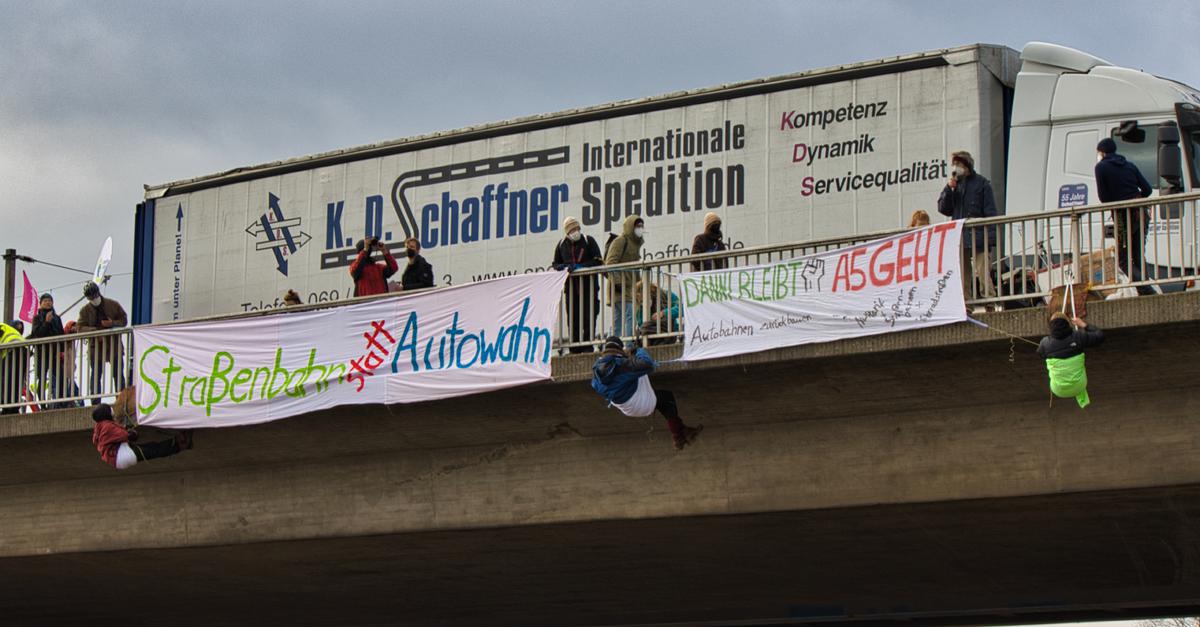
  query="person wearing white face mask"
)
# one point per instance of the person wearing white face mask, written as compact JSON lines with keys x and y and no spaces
{"x":627,"y":247}
{"x":969,"y":195}
{"x":575,"y":252}
{"x":98,"y":314}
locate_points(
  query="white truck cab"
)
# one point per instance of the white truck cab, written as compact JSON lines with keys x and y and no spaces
{"x":1065,"y":102}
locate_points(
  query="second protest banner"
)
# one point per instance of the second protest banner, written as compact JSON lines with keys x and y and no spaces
{"x":436,"y":344}
{"x":907,"y":281}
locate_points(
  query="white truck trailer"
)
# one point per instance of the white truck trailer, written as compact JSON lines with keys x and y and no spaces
{"x":829,"y":152}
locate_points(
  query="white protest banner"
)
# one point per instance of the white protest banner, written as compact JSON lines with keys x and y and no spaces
{"x":438,"y":344}
{"x":906,"y":281}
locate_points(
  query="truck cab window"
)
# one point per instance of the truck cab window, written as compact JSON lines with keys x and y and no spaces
{"x":1191,"y":147}
{"x":1144,"y":153}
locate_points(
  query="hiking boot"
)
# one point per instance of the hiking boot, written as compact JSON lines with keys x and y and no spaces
{"x":686,"y":436}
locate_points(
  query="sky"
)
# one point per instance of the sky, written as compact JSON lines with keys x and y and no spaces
{"x":99,"y":98}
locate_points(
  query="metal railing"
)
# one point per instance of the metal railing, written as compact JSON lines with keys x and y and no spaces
{"x":1026,"y":256}
{"x":64,"y":371}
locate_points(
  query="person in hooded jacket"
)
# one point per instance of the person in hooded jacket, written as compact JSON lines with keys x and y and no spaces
{"x":118,"y":446}
{"x":1118,"y":179}
{"x":14,"y":366}
{"x":1063,"y":352}
{"x":371,"y":273}
{"x":968,"y":194}
{"x":623,"y":379}
{"x":47,"y":323}
{"x":575,"y":252}
{"x":710,"y":241}
{"x":625,"y":248}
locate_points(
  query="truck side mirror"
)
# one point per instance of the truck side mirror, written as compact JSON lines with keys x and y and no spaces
{"x":1130,"y":132}
{"x":1170,"y":164}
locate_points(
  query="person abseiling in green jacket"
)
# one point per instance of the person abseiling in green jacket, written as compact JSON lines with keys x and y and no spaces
{"x":1063,"y":350}
{"x":624,"y":380}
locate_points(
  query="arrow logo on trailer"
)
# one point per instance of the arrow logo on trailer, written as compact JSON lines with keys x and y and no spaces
{"x":273,"y":232}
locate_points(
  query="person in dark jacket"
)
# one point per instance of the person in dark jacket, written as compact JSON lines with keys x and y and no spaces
{"x":710,"y":241}
{"x":1063,"y":352}
{"x":1118,"y":179}
{"x":117,"y":445}
{"x":100,"y":314}
{"x":418,"y":274}
{"x":575,"y":252}
{"x":371,"y":273}
{"x":969,"y":195}
{"x":47,"y":323}
{"x":623,"y":379}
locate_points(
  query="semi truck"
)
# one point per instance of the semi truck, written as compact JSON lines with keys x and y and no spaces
{"x":842,"y":150}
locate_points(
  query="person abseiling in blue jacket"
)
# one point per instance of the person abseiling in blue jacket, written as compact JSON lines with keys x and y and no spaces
{"x":623,"y":379}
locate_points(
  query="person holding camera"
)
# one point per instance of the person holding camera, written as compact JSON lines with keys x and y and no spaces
{"x":371,"y":271}
{"x":47,"y":323}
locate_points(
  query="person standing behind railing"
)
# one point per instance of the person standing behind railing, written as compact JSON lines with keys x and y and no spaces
{"x":46,"y":323}
{"x":575,"y":252}
{"x":969,"y":195}
{"x":664,"y":313}
{"x":1118,"y":179}
{"x":418,"y":274}
{"x":710,"y":241}
{"x":919,"y":219}
{"x":100,"y":314}
{"x":627,"y":247}
{"x":69,"y":386}
{"x":371,"y":273}
{"x":14,"y":366}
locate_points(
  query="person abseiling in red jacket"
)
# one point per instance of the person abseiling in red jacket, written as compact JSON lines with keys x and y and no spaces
{"x":117,"y":445}
{"x":371,"y":273}
{"x":623,"y":379}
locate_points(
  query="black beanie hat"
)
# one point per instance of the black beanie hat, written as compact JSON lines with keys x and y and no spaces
{"x":1107,"y":146}
{"x":1060,"y":328}
{"x":613,"y":342}
{"x":102,"y":412}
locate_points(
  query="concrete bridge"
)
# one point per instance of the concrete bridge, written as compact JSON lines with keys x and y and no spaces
{"x":916,"y":477}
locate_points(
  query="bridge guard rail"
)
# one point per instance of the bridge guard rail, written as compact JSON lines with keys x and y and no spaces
{"x":1025,"y":256}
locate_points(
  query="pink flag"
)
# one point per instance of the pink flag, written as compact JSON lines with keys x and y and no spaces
{"x":29,"y":302}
